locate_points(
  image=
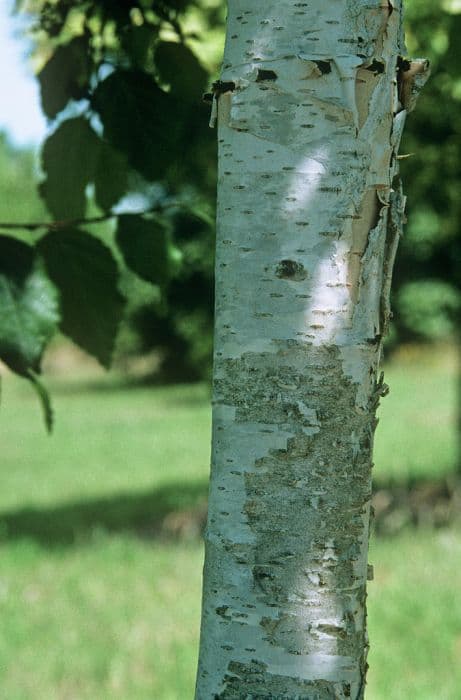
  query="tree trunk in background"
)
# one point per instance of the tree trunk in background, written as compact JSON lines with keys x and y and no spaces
{"x":309,"y":215}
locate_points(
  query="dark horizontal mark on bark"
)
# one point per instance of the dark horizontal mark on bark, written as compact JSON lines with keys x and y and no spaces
{"x":266,"y":75}
{"x":323,"y":66}
{"x":376,"y":67}
{"x":218,"y":88}
{"x":290,"y":269}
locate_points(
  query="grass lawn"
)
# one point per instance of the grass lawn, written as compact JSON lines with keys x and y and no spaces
{"x":415,"y":617}
{"x":95,"y":600}
{"x":416,"y":436}
{"x":116,"y":617}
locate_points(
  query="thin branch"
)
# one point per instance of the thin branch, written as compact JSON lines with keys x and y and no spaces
{"x":66,"y":223}
{"x":69,"y":223}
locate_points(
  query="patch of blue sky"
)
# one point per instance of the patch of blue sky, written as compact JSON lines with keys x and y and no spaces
{"x":20,"y":113}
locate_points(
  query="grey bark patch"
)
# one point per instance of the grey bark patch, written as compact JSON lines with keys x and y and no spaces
{"x":222,"y":611}
{"x":253,"y":681}
{"x":306,"y":504}
{"x":291,"y":270}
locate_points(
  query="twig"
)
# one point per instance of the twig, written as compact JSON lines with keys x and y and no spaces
{"x":66,"y":223}
{"x":69,"y":223}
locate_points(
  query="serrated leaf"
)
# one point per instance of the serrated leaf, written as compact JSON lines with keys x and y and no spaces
{"x":86,"y":274}
{"x":144,"y":247}
{"x":65,"y":76}
{"x":180,"y":68}
{"x":29,"y":303}
{"x":140,"y":120}
{"x":111,"y":177}
{"x":69,"y":159}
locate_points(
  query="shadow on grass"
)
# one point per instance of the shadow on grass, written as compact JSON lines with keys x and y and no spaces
{"x":193,"y":392}
{"x":179,"y":512}
{"x":172,"y":511}
{"x":426,"y":503}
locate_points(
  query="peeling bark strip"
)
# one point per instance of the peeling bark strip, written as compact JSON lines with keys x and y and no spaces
{"x":309,"y":217}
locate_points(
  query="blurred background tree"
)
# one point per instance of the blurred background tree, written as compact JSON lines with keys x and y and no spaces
{"x":427,"y":276}
{"x":427,"y":281}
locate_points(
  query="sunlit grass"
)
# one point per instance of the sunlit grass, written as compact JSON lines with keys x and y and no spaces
{"x":112,"y":440}
{"x":104,"y":442}
{"x":114,"y":618}
{"x":416,"y":435}
{"x":415,"y":617}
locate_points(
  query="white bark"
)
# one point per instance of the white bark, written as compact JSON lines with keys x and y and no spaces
{"x":308,"y":221}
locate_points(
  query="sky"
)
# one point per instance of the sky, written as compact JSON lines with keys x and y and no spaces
{"x":20,"y":113}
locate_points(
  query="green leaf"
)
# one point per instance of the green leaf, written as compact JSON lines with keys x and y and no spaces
{"x":65,"y":76}
{"x":181,"y":69}
{"x":111,"y":177}
{"x":86,"y":274}
{"x":29,"y":303}
{"x":140,"y":120}
{"x":137,"y":42}
{"x":44,"y":398}
{"x":69,"y":161}
{"x":199,"y":212}
{"x":144,"y":247}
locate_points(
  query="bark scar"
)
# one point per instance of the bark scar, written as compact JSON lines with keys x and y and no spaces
{"x":411,"y":78}
{"x":219,"y":88}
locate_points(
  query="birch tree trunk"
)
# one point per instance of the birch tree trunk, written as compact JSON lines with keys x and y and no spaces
{"x":313,"y":100}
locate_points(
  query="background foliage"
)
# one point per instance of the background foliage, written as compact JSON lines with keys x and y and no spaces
{"x":128,"y":143}
{"x":427,"y":280}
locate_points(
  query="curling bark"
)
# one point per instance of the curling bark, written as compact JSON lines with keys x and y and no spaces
{"x":311,"y":106}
